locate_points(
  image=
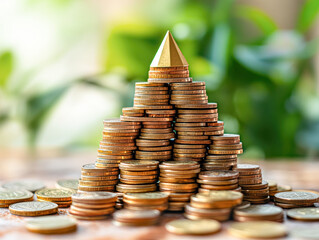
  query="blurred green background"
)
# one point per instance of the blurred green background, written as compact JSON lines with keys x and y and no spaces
{"x":65,"y":65}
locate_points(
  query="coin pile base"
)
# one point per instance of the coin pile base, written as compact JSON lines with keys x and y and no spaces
{"x":92,"y":205}
{"x":215,"y":205}
{"x":127,"y":217}
{"x":178,"y":179}
{"x":145,"y":201}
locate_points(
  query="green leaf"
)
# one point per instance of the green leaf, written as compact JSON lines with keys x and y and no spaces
{"x":263,"y":22}
{"x":38,"y":106}
{"x":222,"y":10}
{"x":6,"y":67}
{"x":308,"y":14}
{"x":220,"y":46}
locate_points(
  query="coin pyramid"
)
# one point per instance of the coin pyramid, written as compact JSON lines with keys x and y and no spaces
{"x":171,"y":140}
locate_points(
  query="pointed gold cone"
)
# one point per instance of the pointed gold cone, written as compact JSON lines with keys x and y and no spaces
{"x":169,"y":54}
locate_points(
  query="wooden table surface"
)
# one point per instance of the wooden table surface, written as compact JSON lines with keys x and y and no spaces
{"x":298,"y":174}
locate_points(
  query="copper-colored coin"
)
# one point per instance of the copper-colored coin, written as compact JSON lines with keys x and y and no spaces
{"x":148,"y":84}
{"x":170,"y":80}
{"x":179,"y":165}
{"x":151,"y":143}
{"x":192,"y":142}
{"x":178,"y":186}
{"x":97,"y":183}
{"x":219,"y":187}
{"x":196,"y":106}
{"x":133,"y":216}
{"x":96,"y":188}
{"x":155,"y":149}
{"x":90,"y":212}
{"x":240,"y":151}
{"x":262,"y":185}
{"x":94,"y":197}
{"x":136,"y":188}
{"x":176,"y":145}
{"x":218,"y":175}
{"x":167,"y":175}
{"x":139,"y":165}
{"x":187,"y":125}
{"x":142,"y":89}
{"x":139,"y":173}
{"x":176,"y":180}
{"x":218,"y":182}
{"x":137,"y":181}
{"x":247,"y":169}
{"x":139,"y":177}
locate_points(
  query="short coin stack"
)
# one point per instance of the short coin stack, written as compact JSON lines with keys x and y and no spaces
{"x":178,"y":179}
{"x":62,"y":197}
{"x":275,"y":188}
{"x":94,"y":178}
{"x":118,"y":143}
{"x":218,"y":180}
{"x":223,"y":151}
{"x":295,"y":199}
{"x":255,"y":190}
{"x":145,"y":201}
{"x":259,"y":212}
{"x":93,"y":205}
{"x":215,"y":205}
{"x":138,"y":176}
{"x":8,"y":197}
{"x":51,"y":225}
{"x":127,"y":217}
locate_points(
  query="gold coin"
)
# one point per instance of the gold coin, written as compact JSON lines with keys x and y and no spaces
{"x":193,"y":227}
{"x":55,"y":194}
{"x":51,"y":224}
{"x":196,"y":106}
{"x":258,"y":229}
{"x":94,"y":197}
{"x":34,"y":208}
{"x":68,"y":184}
{"x":12,"y":196}
{"x":265,"y":210}
{"x":126,"y":215}
{"x":304,"y":214}
{"x":26,"y":184}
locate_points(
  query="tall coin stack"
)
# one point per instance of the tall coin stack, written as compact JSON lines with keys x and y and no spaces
{"x":255,"y":190}
{"x":138,"y":176}
{"x":194,"y":113}
{"x":178,"y":179}
{"x":223,"y":151}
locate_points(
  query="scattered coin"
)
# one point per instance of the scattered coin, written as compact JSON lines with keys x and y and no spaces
{"x":126,"y":217}
{"x":68,"y":184}
{"x":193,"y":227}
{"x":257,"y":230}
{"x":26,"y":184}
{"x":304,"y":214}
{"x":33,"y":208}
{"x":8,"y":197}
{"x":51,"y":225}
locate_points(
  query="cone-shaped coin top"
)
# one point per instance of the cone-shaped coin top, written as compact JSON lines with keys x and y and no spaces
{"x":169,"y":54}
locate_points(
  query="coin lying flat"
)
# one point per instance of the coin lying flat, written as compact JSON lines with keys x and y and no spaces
{"x":193,"y":227}
{"x":51,"y":224}
{"x":27,"y":184}
{"x":135,"y":217}
{"x":296,"y":197}
{"x":304,"y":214}
{"x":55,"y":194}
{"x":258,"y":230}
{"x":14,"y":196}
{"x":68,"y":184}
{"x":33,"y":208}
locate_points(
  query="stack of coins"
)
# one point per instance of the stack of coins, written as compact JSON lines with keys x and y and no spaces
{"x":259,"y":212}
{"x":169,"y":74}
{"x":178,"y":179}
{"x":296,"y":199}
{"x":62,"y":197}
{"x":223,"y":151}
{"x":215,"y":205}
{"x":95,"y":179}
{"x":92,"y":205}
{"x":144,"y":201}
{"x":11,"y":196}
{"x":275,"y":188}
{"x":138,"y":176}
{"x":133,"y":112}
{"x":118,"y":143}
{"x":150,"y":96}
{"x":255,"y":190}
{"x":218,"y":180}
{"x":119,"y":202}
{"x":127,"y":217}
